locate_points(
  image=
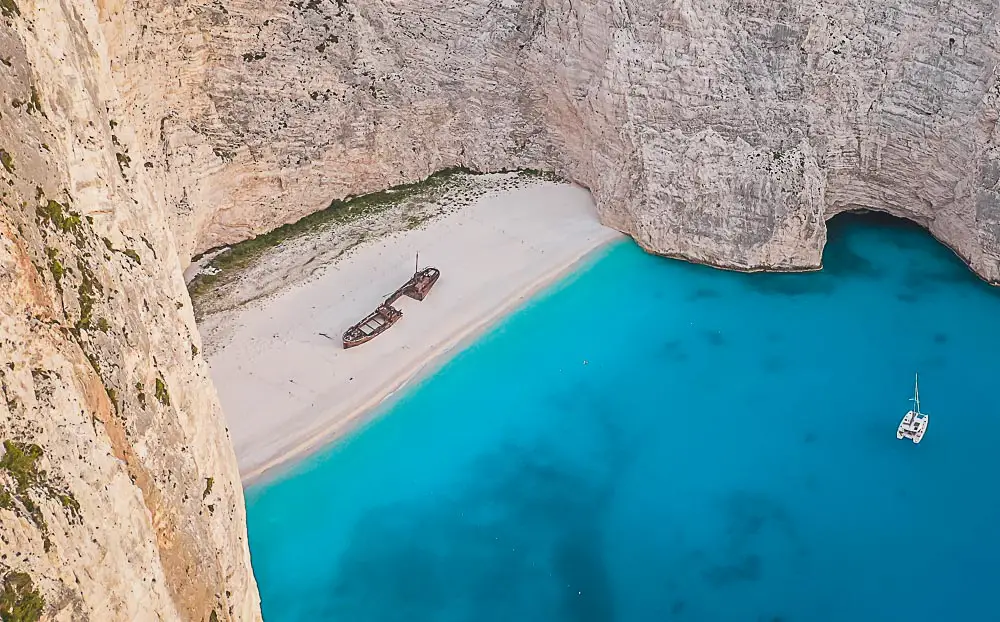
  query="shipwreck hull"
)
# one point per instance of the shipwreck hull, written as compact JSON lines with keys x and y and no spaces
{"x":420,"y":285}
{"x":372,"y":326}
{"x":386,"y":315}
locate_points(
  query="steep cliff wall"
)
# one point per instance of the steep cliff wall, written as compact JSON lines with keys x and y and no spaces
{"x":119,"y":492}
{"x":724,"y":131}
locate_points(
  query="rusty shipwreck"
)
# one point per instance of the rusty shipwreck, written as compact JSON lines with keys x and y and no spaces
{"x":385,"y":315}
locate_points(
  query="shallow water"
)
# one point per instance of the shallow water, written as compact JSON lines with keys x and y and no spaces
{"x":654,"y":440}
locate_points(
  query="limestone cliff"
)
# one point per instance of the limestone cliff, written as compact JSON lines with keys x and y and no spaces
{"x":724,"y":131}
{"x":119,"y":492}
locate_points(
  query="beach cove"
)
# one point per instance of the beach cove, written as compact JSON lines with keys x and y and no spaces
{"x":285,"y":381}
{"x":650,"y":439}
{"x":568,"y":428}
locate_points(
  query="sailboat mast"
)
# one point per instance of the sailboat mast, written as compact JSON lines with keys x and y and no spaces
{"x":916,"y":392}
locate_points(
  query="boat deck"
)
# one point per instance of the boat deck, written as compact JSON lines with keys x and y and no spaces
{"x":386,"y":315}
{"x":913,"y":426}
{"x":373,"y":325}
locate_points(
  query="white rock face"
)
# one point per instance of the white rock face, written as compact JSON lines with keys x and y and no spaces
{"x":119,"y":492}
{"x":724,"y":132}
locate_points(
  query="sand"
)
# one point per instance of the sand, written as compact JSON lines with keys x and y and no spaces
{"x":287,"y":390}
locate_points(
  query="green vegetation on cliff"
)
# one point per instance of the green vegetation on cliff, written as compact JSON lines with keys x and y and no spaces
{"x":19,"y":600}
{"x":55,"y":266}
{"x":89,"y":286}
{"x":161,"y":393}
{"x":6,"y":159}
{"x":339,"y":211}
{"x":356,"y":217}
{"x":57,"y":214}
{"x":20,"y":461}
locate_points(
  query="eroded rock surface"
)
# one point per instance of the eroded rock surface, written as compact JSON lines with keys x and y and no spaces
{"x":720,"y":131}
{"x":119,"y":492}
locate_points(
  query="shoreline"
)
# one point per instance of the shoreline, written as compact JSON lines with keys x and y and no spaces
{"x":287,"y":386}
{"x":329,"y":434}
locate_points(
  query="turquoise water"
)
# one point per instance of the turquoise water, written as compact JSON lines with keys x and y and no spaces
{"x":653,"y":440}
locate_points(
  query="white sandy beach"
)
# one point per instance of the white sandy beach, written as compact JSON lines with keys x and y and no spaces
{"x":286,"y":389}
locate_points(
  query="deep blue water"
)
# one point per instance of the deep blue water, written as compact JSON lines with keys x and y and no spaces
{"x":654,"y":440}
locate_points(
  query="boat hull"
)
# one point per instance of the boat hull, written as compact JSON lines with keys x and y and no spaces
{"x":417,"y":287}
{"x":913,"y":426}
{"x":372,"y":326}
{"x":420,"y":285}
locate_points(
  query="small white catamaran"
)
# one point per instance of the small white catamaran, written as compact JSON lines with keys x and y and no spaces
{"x":914,"y":423}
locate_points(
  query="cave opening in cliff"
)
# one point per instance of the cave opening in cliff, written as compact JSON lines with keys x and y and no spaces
{"x":863,"y":216}
{"x":862,"y":242}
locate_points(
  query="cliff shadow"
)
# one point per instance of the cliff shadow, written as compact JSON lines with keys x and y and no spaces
{"x":864,"y":242}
